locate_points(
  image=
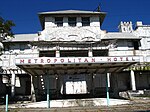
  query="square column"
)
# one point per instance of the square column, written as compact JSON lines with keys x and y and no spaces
{"x":79,"y":21}
{"x":13,"y":83}
{"x":107,"y":88}
{"x":133,"y":84}
{"x":65,"y":21}
{"x":90,"y":53}
{"x":33,"y":94}
{"x":57,"y":53}
{"x":48,"y":91}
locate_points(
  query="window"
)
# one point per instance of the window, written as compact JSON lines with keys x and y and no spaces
{"x":136,"y":45}
{"x":130,"y":43}
{"x":74,"y":53}
{"x":100,"y":53}
{"x":22,"y":47}
{"x":47,"y":54}
{"x":85,"y":21}
{"x":59,"y":21}
{"x":72,"y":21}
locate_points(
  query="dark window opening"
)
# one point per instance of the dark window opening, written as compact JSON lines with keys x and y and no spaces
{"x":100,"y":52}
{"x":28,"y":87}
{"x":72,"y":21}
{"x":59,"y":21}
{"x":22,"y":47}
{"x":124,"y":29}
{"x":85,"y":21}
{"x":75,"y":53}
{"x":136,"y":45}
{"x":47,"y":54}
{"x":6,"y":48}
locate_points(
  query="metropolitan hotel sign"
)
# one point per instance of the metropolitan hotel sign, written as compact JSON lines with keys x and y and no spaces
{"x":74,"y":60}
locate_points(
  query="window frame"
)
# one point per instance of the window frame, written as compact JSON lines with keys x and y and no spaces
{"x":85,"y":21}
{"x":59,"y":21}
{"x":72,"y":21}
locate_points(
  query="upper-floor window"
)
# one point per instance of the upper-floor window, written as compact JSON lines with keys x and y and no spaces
{"x":85,"y":21}
{"x":47,"y":54}
{"x":136,"y":45}
{"x":22,"y":47}
{"x":100,"y":53}
{"x":72,"y":21}
{"x":59,"y":21}
{"x":74,"y":53}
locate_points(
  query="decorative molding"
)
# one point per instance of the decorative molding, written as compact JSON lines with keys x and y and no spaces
{"x":70,"y":34}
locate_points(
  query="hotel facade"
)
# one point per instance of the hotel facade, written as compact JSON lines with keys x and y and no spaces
{"x":72,"y":57}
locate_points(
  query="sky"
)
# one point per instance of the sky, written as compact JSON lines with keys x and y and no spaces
{"x":24,"y":13}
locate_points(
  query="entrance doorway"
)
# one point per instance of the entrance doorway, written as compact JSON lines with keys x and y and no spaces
{"x":75,"y":84}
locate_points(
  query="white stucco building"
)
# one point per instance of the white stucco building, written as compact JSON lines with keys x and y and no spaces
{"x":72,"y":57}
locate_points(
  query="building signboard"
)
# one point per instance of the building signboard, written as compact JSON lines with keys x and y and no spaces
{"x":74,"y":60}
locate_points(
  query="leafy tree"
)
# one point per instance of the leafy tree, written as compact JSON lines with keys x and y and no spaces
{"x":5,"y":28}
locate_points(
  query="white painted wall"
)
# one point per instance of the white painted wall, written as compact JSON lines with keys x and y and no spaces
{"x":9,"y":56}
{"x":144,"y":32}
{"x":52,"y":32}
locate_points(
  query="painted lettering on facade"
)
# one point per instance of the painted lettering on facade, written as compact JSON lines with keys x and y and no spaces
{"x":76,"y":60}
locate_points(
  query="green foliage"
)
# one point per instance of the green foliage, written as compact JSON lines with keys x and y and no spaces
{"x":5,"y":27}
